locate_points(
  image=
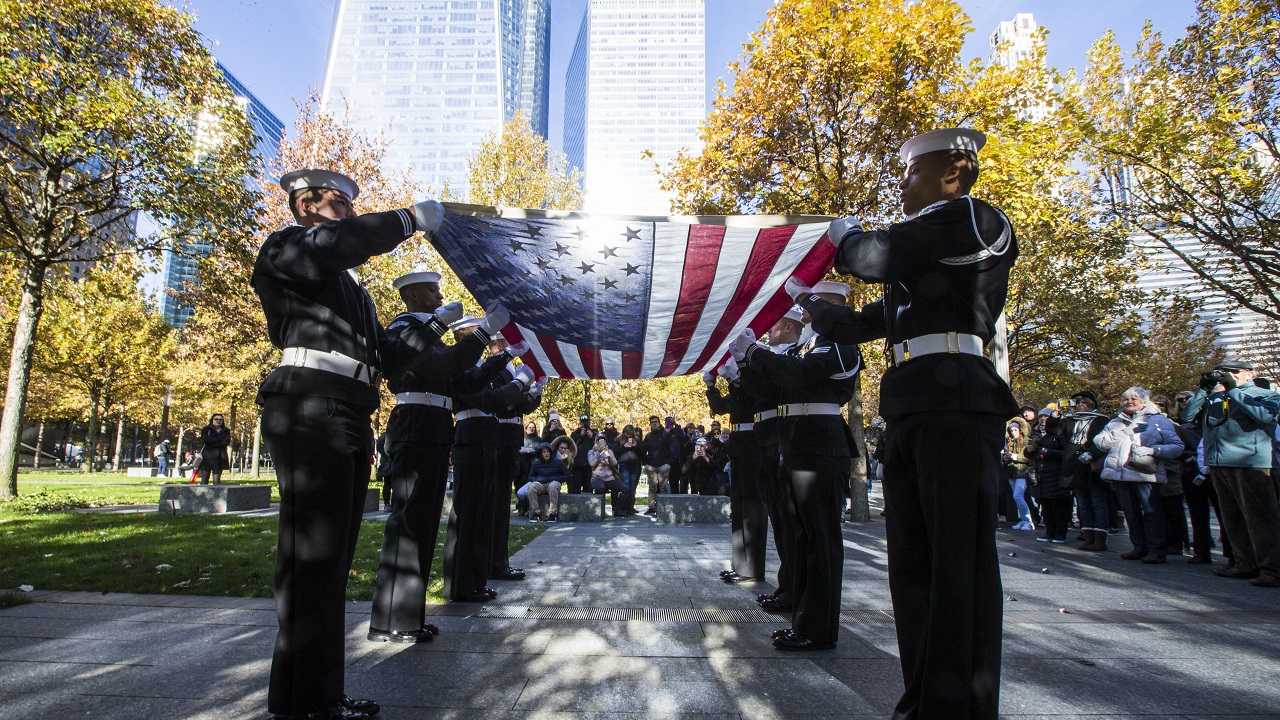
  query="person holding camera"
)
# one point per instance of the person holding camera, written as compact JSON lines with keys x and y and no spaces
{"x":1239,"y":419}
{"x":606,"y":476}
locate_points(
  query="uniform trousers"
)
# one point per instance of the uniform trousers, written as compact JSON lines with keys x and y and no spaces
{"x":506,"y":466}
{"x":322,"y":449}
{"x":1252,"y":517}
{"x":781,"y":512}
{"x":417,"y":470}
{"x":466,"y":545}
{"x":816,"y":544}
{"x":942,"y":473}
{"x":749,"y":514}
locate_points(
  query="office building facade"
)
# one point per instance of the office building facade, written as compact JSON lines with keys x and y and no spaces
{"x":635,"y":85}
{"x":437,"y":76}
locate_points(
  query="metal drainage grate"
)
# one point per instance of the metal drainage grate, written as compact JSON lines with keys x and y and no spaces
{"x":866,"y":616}
{"x":549,"y":612}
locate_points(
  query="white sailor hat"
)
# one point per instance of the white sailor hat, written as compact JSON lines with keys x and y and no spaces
{"x":795,"y":313}
{"x":829,"y":286}
{"x":415,"y":277}
{"x":465,"y":322}
{"x":945,"y":139}
{"x":303,"y":179}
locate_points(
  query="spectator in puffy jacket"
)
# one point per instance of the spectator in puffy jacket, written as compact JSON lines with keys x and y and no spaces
{"x":1137,"y":443}
{"x":549,"y":472}
{"x":1018,"y":452}
{"x":1053,"y":491}
{"x":1239,"y":420}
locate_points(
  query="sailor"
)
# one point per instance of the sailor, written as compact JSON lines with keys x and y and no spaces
{"x":416,"y":445}
{"x":506,"y":465}
{"x":815,"y":446}
{"x":316,"y":420}
{"x":763,"y":394}
{"x":469,"y":533}
{"x":748,"y":509}
{"x":945,"y":271}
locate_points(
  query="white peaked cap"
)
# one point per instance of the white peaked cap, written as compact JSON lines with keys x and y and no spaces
{"x":465,"y":322}
{"x":795,"y":313}
{"x":312,"y":178}
{"x":414,"y":278}
{"x":830,"y":286}
{"x":946,"y":139}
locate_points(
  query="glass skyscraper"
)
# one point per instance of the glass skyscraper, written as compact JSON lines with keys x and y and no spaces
{"x":636,"y":84}
{"x":180,"y":267}
{"x":436,"y":76}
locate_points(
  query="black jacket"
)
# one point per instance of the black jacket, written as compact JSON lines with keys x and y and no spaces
{"x":701,"y":476}
{"x":1050,"y":452}
{"x":822,"y":372}
{"x":213,"y":456}
{"x":660,"y":448}
{"x":438,"y":374}
{"x":938,"y":276}
{"x":311,"y":301}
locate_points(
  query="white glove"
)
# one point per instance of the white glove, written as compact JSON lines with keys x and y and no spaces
{"x":427,"y":216}
{"x":709,"y":379}
{"x":729,"y":370}
{"x":495,"y":319}
{"x":745,"y":339}
{"x":536,"y":388}
{"x":1085,"y":457}
{"x":449,"y":313}
{"x":841,"y":227}
{"x":795,"y":288}
{"x":524,"y":376}
{"x":518,"y":349}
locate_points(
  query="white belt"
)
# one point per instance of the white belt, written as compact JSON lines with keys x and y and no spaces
{"x":468,"y":414}
{"x":509,"y":421}
{"x":741,"y":427}
{"x":948,"y":342}
{"x":331,"y":361}
{"x":808,"y":409}
{"x":766,"y":415}
{"x":424,"y":398}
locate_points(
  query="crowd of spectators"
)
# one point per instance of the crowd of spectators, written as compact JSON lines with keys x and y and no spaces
{"x":1148,"y":466}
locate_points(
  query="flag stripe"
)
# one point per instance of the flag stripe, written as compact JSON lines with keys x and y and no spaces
{"x":701,"y":261}
{"x":591,"y":362}
{"x":515,"y":335}
{"x":764,"y":255}
{"x":611,"y":361}
{"x":811,"y":269}
{"x":572,"y":361}
{"x":552,"y":348}
{"x":669,"y":243}
{"x":632,"y":363}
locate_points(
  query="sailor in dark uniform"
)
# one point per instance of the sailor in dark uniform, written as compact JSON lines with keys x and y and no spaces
{"x":945,"y":272}
{"x":316,"y":421}
{"x":475,"y":399}
{"x":506,"y":464}
{"x":417,"y":441}
{"x":815,"y":444}
{"x":748,"y":509}
{"x":763,"y":395}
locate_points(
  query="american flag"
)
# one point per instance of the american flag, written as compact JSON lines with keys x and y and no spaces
{"x":620,"y":297}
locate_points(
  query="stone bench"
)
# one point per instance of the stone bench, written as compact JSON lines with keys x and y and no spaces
{"x":373,"y":500}
{"x":140,"y":472}
{"x":582,"y":507}
{"x":213,"y":499}
{"x":686,"y":509}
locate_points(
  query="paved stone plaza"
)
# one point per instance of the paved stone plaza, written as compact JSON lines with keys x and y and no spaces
{"x":626,"y":619}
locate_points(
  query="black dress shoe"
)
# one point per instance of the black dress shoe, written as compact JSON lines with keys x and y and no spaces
{"x":727,"y":573}
{"x":763,"y":597}
{"x":479,"y":596}
{"x":735,"y":578}
{"x":794,"y":642}
{"x":779,"y":633}
{"x":431,"y":629}
{"x":509,"y":574}
{"x":336,"y":712}
{"x":490,"y":592}
{"x":773,"y":604}
{"x":360,"y":705}
{"x":407,"y":637}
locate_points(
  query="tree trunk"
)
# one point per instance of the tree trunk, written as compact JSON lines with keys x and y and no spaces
{"x":91,"y":433}
{"x":35,"y":459}
{"x":115,"y":461}
{"x":859,"y":505}
{"x":15,"y":395}
{"x":177,"y":456}
{"x":257,"y":447}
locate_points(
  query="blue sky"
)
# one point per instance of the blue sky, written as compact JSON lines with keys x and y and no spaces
{"x":278,"y":48}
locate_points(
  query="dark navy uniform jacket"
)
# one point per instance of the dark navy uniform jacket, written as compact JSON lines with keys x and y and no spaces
{"x":311,"y":301}
{"x":821,"y":372}
{"x":443,"y":366}
{"x":741,"y":408}
{"x":946,"y":270}
{"x":476,"y":390}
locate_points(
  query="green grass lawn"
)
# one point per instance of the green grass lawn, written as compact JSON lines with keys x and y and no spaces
{"x":206,"y":554}
{"x":79,"y":489}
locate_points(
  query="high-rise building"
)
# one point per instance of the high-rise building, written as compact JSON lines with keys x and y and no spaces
{"x":437,"y":76}
{"x":180,"y":266}
{"x":1014,"y":41}
{"x":635,"y":93}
